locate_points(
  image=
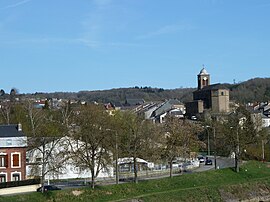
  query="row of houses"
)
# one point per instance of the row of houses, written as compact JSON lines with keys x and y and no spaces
{"x":18,"y":163}
{"x":260,"y":113}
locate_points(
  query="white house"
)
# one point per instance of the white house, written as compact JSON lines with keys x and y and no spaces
{"x":265,"y":121}
{"x":64,"y":167}
{"x":126,"y":164}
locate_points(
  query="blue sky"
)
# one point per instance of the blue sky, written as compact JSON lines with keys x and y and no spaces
{"x":73,"y":45}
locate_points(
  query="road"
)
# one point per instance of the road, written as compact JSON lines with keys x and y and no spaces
{"x":222,"y":162}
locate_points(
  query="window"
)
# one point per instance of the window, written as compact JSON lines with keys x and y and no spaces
{"x":222,"y":93}
{"x":3,"y":161}
{"x":3,"y":177}
{"x":16,"y":160}
{"x":38,"y":160}
{"x":16,"y":176}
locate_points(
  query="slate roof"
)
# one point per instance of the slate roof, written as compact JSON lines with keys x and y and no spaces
{"x":10,"y":131}
{"x":175,"y":102}
{"x":167,"y":106}
{"x":134,"y":102}
{"x":216,"y":86}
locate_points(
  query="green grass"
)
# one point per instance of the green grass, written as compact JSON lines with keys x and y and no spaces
{"x":215,"y":185}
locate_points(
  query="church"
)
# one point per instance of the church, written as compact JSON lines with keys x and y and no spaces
{"x":214,"y":98}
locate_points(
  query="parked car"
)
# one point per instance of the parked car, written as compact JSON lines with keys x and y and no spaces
{"x":187,"y":166}
{"x":201,"y":159}
{"x":48,"y":188}
{"x":193,"y":118}
{"x":208,"y":162}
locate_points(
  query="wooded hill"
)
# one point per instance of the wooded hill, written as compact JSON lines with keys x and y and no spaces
{"x":253,"y":90}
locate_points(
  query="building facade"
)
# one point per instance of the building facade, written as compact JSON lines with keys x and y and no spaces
{"x":61,"y":164}
{"x":13,"y":144}
{"x":215,"y":97}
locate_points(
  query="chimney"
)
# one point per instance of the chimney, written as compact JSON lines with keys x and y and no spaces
{"x":19,"y":127}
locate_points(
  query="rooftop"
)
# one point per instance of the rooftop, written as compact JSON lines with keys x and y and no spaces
{"x":12,"y":130}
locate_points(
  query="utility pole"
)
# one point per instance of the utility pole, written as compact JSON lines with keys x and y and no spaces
{"x":116,"y":158}
{"x":263,"y":150}
{"x":237,"y":150}
{"x":215,"y":145}
{"x":208,"y":141}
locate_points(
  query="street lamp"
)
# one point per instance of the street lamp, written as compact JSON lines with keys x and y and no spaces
{"x":263,"y":150}
{"x":215,"y":148}
{"x":208,"y":140}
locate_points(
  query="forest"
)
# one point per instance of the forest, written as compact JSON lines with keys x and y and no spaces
{"x":253,"y":90}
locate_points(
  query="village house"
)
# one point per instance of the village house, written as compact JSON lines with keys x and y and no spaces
{"x":13,"y":145}
{"x":60,"y":165}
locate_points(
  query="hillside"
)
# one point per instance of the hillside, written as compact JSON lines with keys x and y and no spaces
{"x":119,"y":95}
{"x":253,"y":90}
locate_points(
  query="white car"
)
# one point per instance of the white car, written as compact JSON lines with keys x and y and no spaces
{"x":201,"y":159}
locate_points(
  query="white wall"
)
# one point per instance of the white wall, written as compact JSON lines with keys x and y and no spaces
{"x":20,"y":189}
{"x":69,"y":170}
{"x":266,"y":122}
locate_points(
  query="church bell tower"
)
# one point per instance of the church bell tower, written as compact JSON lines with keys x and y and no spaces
{"x":203,"y":79}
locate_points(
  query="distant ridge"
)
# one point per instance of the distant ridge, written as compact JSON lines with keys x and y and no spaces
{"x":253,"y":90}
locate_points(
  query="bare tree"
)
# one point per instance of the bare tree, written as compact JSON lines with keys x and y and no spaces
{"x":5,"y":111}
{"x":90,"y":150}
{"x":239,"y":133}
{"x":180,"y":139}
{"x":137,"y":140}
{"x":44,"y":137}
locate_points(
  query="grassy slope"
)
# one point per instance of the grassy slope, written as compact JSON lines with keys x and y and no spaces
{"x":218,"y":185}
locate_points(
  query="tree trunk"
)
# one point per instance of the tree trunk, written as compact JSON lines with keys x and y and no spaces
{"x":92,"y":180}
{"x":171,"y":169}
{"x":236,"y":163}
{"x":93,"y":172}
{"x":43,"y":168}
{"x":135,"y":170}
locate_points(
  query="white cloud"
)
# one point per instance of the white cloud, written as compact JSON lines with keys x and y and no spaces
{"x":16,"y":4}
{"x":168,"y":29}
{"x":44,"y":41}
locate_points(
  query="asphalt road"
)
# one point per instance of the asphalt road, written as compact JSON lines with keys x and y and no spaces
{"x":222,"y":162}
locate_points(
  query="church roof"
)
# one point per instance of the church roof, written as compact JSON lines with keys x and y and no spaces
{"x":216,"y":86}
{"x":203,"y":72}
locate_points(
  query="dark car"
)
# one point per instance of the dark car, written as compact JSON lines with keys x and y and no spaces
{"x":48,"y":188}
{"x":208,"y":162}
